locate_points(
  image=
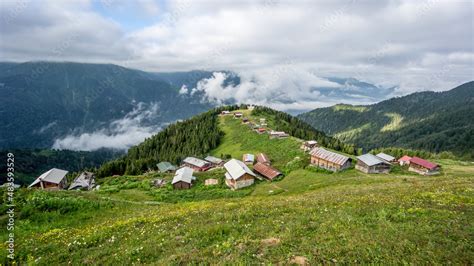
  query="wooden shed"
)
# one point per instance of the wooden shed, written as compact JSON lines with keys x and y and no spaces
{"x":329,"y":160}
{"x":266,"y":171}
{"x":371,"y":164}
{"x":214,"y":161}
{"x":309,"y":145}
{"x":387,"y":157}
{"x":52,"y":179}
{"x":263,"y":158}
{"x":84,"y":181}
{"x":196,"y":164}
{"x":183,"y":178}
{"x":423,"y":167}
{"x":248,"y":158}
{"x":238,"y":174}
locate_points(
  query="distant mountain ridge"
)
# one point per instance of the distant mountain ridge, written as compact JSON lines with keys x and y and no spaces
{"x":431,"y":121}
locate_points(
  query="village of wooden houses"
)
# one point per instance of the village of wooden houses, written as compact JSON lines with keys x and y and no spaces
{"x":242,"y":172}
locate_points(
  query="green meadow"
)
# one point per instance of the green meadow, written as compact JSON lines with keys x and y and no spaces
{"x":308,"y":216}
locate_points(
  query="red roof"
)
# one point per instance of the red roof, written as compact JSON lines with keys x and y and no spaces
{"x":263,"y":158}
{"x":405,"y":158}
{"x":266,"y":170}
{"x":424,"y":163}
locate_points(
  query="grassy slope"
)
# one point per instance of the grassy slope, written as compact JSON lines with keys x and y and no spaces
{"x":343,"y":217}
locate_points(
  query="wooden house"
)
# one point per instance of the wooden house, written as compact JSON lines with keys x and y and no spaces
{"x":278,"y":134}
{"x":386,"y":157}
{"x":52,"y":179}
{"x":423,"y":167}
{"x":238,"y":174}
{"x":371,"y":164}
{"x":166,"y":167}
{"x":238,"y":114}
{"x":266,"y":171}
{"x":309,"y":145}
{"x":404,"y":160}
{"x":263,"y":158}
{"x":183,"y":178}
{"x":196,"y":164}
{"x":214,"y":161}
{"x":85,"y":181}
{"x":329,"y":160}
{"x":248,"y":158}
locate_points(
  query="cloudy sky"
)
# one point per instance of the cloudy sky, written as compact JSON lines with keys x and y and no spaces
{"x":413,"y":45}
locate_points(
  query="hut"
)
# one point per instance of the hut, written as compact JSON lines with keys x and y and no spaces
{"x":263,"y":158}
{"x":260,"y":130}
{"x":386,"y":157}
{"x":225,"y":112}
{"x":183,"y":178}
{"x":245,"y":120}
{"x":214,"y":161}
{"x":329,"y":160}
{"x":309,"y":145}
{"x":86,"y":181}
{"x":266,"y":171}
{"x":371,"y":164}
{"x":423,"y":167}
{"x":238,"y":174}
{"x":211,"y":182}
{"x":52,"y":179}
{"x":238,"y":114}
{"x":405,"y":160}
{"x":166,"y":167}
{"x":278,"y":134}
{"x":248,"y":158}
{"x":196,"y":164}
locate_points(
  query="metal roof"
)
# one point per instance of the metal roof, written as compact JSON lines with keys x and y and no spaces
{"x":213,"y":159}
{"x":166,"y":166}
{"x":195,"y":161}
{"x":370,"y":159}
{"x":184,"y":174}
{"x":266,"y":170}
{"x":424,"y":163}
{"x":248,"y":157}
{"x":386,"y":157}
{"x":54,"y":176}
{"x":405,"y":158}
{"x":263,"y":158}
{"x":84,"y":180}
{"x":330,"y":156}
{"x":236,"y":169}
{"x":310,"y":142}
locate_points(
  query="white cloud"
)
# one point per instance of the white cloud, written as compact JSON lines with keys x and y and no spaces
{"x":384,"y":42}
{"x":121,"y":134}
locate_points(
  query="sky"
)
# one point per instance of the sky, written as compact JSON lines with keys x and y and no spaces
{"x":409,"y":45}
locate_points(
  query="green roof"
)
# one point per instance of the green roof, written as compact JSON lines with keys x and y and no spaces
{"x":166,"y":166}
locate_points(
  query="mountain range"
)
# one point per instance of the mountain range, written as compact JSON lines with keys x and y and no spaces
{"x":431,"y":121}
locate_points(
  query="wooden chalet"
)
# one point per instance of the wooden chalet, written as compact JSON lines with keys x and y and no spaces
{"x":309,"y":145}
{"x":214,"y":161}
{"x":386,"y":157}
{"x":404,"y":160}
{"x":423,"y":167}
{"x":183,"y":178}
{"x":329,"y":160}
{"x":196,"y":164}
{"x":166,"y":167}
{"x":238,"y":115}
{"x":278,"y":134}
{"x":52,"y":179}
{"x":371,"y":164}
{"x":238,"y":174}
{"x":263,"y":158}
{"x":84,"y":181}
{"x":248,"y":158}
{"x":266,"y":171}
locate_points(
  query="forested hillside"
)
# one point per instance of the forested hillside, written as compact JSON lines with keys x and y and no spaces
{"x":199,"y":135}
{"x":43,"y":101}
{"x":430,"y":121}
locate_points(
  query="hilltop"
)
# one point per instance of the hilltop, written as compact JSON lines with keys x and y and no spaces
{"x":431,"y":121}
{"x":307,"y":216}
